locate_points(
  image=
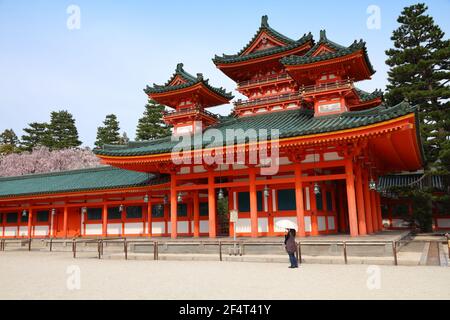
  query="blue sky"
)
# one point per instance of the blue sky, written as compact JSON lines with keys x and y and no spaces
{"x":122,"y":46}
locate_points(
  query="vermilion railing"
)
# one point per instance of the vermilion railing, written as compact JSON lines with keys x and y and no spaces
{"x":341,"y":84}
{"x":268,"y":79}
{"x":189,"y":111}
{"x":283,"y":97}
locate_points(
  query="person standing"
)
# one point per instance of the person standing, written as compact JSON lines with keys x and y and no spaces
{"x":291,"y":247}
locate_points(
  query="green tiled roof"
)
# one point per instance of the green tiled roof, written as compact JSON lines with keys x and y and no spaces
{"x":367,"y":96}
{"x":190,"y":81}
{"x":97,"y":178}
{"x":290,"y":123}
{"x":340,"y":52}
{"x":289,"y":45}
{"x":416,"y":180}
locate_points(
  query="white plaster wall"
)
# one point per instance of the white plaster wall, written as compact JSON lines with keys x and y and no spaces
{"x":114,"y":228}
{"x":204,"y":226}
{"x":93,"y":229}
{"x":321,"y":224}
{"x":158,"y":227}
{"x":182,"y":226}
{"x":23,"y":231}
{"x":308,"y":200}
{"x":308,"y":224}
{"x":41,"y":231}
{"x":263,"y":225}
{"x":243,"y":225}
{"x":134,"y":228}
{"x":329,"y":156}
{"x":443,"y":222}
{"x":331,"y":223}
{"x":10,"y":231}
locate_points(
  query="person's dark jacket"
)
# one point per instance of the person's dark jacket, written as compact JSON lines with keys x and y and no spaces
{"x":289,"y":241}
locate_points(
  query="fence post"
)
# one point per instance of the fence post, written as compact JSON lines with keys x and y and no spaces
{"x":98,"y":248}
{"x":344,"y":244}
{"x":299,"y":252}
{"x":448,"y":244}
{"x":125,"y":248}
{"x":394,"y":252}
{"x":29,"y":244}
{"x":155,"y":250}
{"x":51,"y":244}
{"x":74,"y":248}
{"x":220,"y":250}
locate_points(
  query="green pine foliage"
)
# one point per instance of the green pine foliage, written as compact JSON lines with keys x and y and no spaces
{"x":8,"y":142}
{"x":109,"y":132}
{"x":62,"y":132}
{"x":36,"y":135}
{"x":151,"y":126}
{"x":419,"y":73}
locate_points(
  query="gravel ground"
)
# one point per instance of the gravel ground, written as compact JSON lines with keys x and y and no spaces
{"x":40,"y":275}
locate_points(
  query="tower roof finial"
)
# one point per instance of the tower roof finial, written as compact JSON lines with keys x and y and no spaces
{"x":323,"y":35}
{"x":264,"y":21}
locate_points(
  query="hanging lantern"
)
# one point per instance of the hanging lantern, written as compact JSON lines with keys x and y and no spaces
{"x":146,"y":198}
{"x":372,"y":185}
{"x":53,"y":212}
{"x":165,"y":199}
{"x":121,"y":208}
{"x":266,"y":191}
{"x":220,"y":195}
{"x":179,"y":197}
{"x":24,"y":213}
{"x":83,"y":210}
{"x":316,"y":188}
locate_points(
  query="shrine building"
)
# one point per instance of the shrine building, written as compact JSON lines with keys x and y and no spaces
{"x":303,"y":115}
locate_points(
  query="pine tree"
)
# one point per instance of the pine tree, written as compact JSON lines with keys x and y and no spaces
{"x":151,"y":126}
{"x":62,"y":131}
{"x":419,"y":73}
{"x":109,"y":133}
{"x":8,"y":142}
{"x":37,"y":135}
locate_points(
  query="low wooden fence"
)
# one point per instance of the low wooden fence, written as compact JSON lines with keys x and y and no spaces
{"x":238,"y":246}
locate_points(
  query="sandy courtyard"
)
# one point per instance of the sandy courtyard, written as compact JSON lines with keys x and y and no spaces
{"x":40,"y":275}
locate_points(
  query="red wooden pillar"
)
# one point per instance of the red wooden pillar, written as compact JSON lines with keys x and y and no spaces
{"x":299,"y":204}
{"x":374,"y":212}
{"x":380,"y":217}
{"x":30,"y":219}
{"x":342,"y":211}
{"x":351,"y":198}
{"x":196,"y":204}
{"x":149,"y":217}
{"x":367,"y":203}
{"x":173,"y":206}
{"x":360,"y":201}
{"x":211,"y":204}
{"x":312,"y":197}
{"x":105,"y":220}
{"x":65,"y":214}
{"x":253,"y":203}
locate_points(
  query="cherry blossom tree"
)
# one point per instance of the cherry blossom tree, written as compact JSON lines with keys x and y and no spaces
{"x":42,"y":160}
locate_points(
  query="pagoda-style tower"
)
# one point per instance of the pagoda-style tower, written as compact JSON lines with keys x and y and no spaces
{"x":260,"y":75}
{"x":326,"y":76}
{"x":189,"y":96}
